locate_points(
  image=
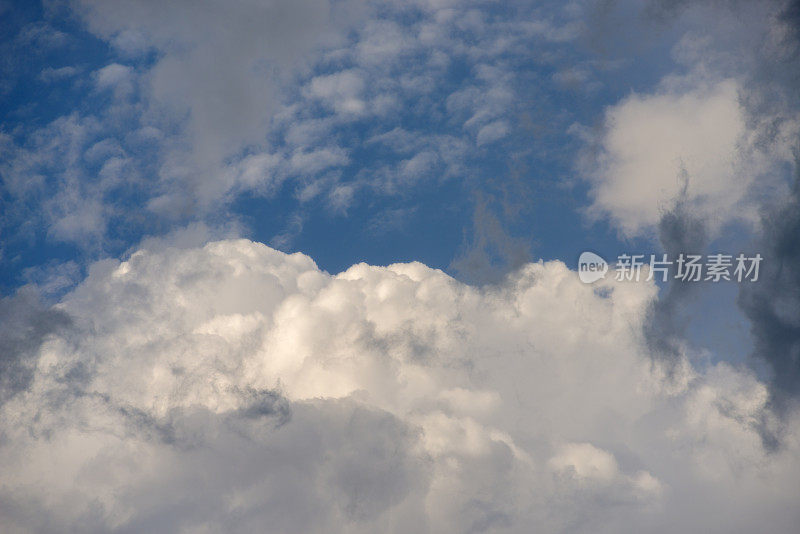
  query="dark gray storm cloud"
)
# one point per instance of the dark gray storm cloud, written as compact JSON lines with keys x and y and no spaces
{"x":773,"y":303}
{"x":683,"y":232}
{"x":769,"y":39}
{"x":680,"y":232}
{"x":24,"y":324}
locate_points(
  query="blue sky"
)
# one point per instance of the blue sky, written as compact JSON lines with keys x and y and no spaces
{"x":424,"y":212}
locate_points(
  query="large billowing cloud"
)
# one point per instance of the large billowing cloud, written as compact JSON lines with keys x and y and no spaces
{"x":234,"y":388}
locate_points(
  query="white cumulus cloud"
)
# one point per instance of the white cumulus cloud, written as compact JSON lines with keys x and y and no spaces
{"x":689,"y":139}
{"x":234,"y":388}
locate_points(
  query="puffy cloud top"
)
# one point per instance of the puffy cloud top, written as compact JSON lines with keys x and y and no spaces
{"x":234,"y":388}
